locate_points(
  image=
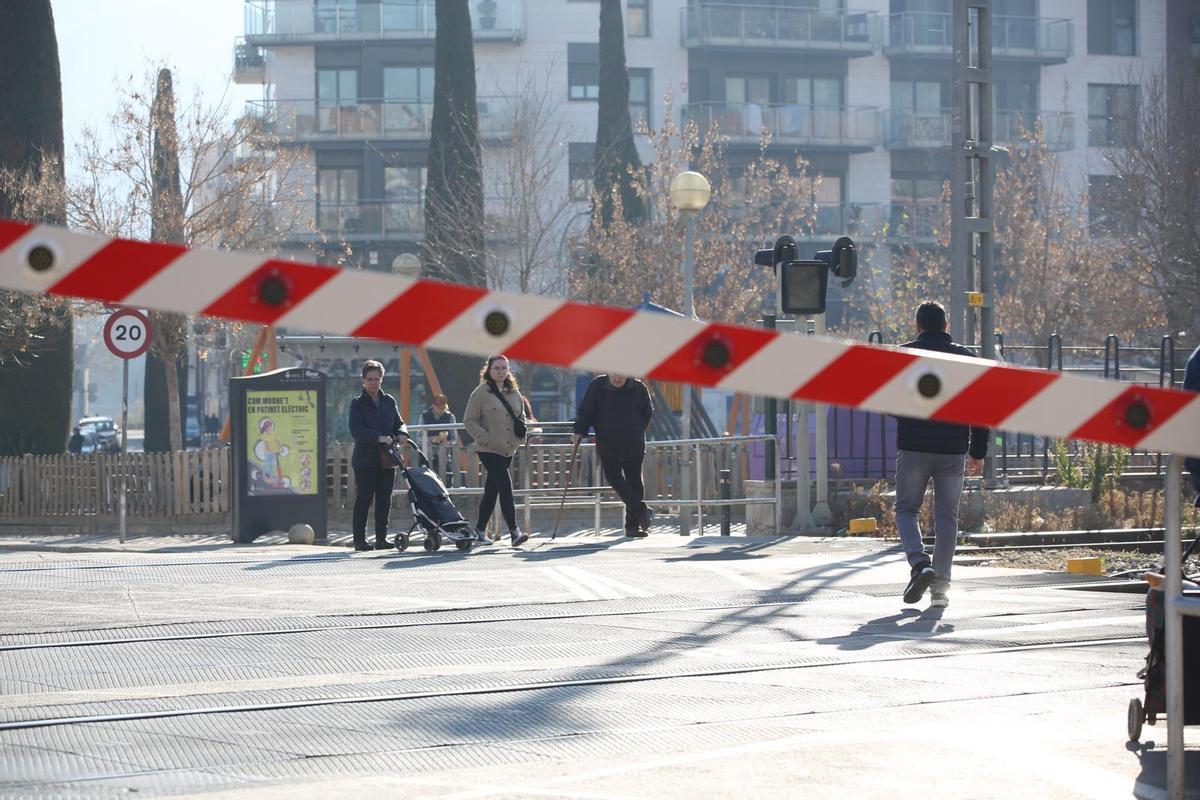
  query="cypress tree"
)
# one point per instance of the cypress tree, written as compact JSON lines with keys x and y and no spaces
{"x":616,"y":154}
{"x":165,"y":384}
{"x":453,"y":248}
{"x":35,"y":386}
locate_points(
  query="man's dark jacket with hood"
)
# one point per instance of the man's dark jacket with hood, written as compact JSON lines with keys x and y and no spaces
{"x":925,"y":436}
{"x":620,"y":417}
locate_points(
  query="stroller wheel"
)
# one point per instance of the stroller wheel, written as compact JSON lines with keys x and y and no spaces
{"x":401,"y":542}
{"x":433,"y":542}
{"x":1134,"y":722}
{"x":464,"y":545}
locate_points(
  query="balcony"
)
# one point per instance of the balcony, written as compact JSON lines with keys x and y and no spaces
{"x":852,"y":129}
{"x":249,"y":63}
{"x":1058,"y":128}
{"x":916,"y":130}
{"x":370,"y":220}
{"x":275,"y":22}
{"x":323,"y":121}
{"x":916,"y":220}
{"x":929,"y":130}
{"x":776,"y":29}
{"x":1041,"y":40}
{"x":861,"y":220}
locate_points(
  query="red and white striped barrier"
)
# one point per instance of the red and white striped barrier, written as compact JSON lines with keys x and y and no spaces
{"x":322,"y":299}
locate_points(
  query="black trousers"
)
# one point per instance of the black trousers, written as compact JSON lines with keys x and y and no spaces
{"x":625,"y":477}
{"x":372,"y":485}
{"x":497,"y":485}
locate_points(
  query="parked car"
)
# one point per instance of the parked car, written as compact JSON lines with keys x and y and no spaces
{"x":107,"y":432}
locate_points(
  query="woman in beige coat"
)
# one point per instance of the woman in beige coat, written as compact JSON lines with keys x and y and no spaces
{"x":492,"y":427}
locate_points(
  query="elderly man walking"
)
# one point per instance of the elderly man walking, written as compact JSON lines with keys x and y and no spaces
{"x":619,"y":409}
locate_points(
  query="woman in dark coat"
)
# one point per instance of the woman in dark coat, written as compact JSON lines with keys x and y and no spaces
{"x":374,"y":422}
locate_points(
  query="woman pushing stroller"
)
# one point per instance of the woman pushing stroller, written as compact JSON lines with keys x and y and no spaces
{"x":494,"y":418}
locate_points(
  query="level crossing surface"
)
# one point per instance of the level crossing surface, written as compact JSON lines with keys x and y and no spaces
{"x":587,"y":667}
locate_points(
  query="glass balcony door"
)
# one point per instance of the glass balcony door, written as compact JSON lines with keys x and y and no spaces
{"x":407,"y":99}
{"x":337,"y":201}
{"x":337,"y":101}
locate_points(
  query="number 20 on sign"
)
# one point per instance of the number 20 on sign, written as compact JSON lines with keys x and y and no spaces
{"x":127,"y":333}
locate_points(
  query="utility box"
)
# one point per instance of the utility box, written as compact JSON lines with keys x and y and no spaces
{"x":278,"y":452}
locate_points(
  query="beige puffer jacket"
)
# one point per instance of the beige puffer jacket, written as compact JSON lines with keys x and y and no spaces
{"x":489,"y":424}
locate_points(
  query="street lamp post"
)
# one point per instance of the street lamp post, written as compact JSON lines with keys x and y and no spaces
{"x":689,"y":194}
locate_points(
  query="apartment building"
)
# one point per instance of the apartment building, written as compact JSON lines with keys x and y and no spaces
{"x":863,"y":91}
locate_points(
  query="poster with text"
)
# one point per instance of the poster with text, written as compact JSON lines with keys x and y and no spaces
{"x":281,"y":430}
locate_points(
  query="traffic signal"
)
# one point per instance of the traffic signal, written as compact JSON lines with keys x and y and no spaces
{"x":258,"y":365}
{"x":803,"y":284}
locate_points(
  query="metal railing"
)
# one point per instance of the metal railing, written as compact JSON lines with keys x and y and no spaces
{"x":851,"y":127}
{"x":270,"y":22}
{"x":540,"y":470}
{"x":321,"y":120}
{"x":371,"y":219}
{"x":1043,"y":39}
{"x":920,"y":129}
{"x":249,"y":61}
{"x":774,"y":27}
{"x":916,"y":219}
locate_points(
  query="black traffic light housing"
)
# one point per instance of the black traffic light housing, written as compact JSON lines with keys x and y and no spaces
{"x":803,"y":284}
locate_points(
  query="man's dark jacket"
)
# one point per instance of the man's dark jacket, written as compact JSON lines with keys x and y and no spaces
{"x":367,"y":423}
{"x":619,"y":416}
{"x":925,"y":436}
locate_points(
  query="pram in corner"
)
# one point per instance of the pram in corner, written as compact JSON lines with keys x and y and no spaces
{"x":431,"y":506}
{"x":1154,"y":674}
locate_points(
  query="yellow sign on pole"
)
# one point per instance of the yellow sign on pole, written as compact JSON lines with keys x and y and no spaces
{"x":975,"y":299}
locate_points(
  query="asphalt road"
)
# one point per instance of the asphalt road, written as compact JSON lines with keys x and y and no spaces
{"x":591,"y":667}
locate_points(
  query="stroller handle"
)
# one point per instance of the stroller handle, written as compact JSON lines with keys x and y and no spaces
{"x":395,"y":448}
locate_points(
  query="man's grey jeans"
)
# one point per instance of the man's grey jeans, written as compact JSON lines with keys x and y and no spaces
{"x":913,"y":473}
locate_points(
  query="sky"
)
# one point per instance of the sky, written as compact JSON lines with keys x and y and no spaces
{"x":102,"y":43}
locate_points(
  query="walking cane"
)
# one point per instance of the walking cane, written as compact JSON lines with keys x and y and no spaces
{"x":567,"y":488}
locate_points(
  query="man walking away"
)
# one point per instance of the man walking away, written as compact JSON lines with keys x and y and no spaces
{"x":619,"y":409}
{"x":75,"y":445}
{"x":928,"y":450}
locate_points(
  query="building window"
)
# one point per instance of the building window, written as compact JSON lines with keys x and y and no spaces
{"x":404,"y":199}
{"x":1105,"y":217}
{"x":637,"y":18}
{"x":583,"y":71}
{"x":407,"y":99}
{"x":337,"y":100}
{"x":337,"y":201}
{"x":580,"y":169}
{"x":1112,"y":115}
{"x":639,"y":98}
{"x":1112,"y":27}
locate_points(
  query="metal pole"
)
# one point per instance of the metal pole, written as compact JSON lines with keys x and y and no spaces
{"x":699,"y":491}
{"x":689,"y":310}
{"x":803,"y":520}
{"x":822,"y":515}
{"x":124,"y":444}
{"x":726,"y":493}
{"x":1174,"y":629}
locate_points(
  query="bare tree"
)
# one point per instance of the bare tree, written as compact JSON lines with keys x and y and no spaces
{"x":1152,"y":205}
{"x":531,"y":205}
{"x":618,"y":263}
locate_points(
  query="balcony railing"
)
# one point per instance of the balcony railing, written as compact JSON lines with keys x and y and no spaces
{"x":1058,"y":128}
{"x":371,"y":219}
{"x":915,"y":219}
{"x":860,"y":220}
{"x":249,"y":63}
{"x":1042,"y":39}
{"x":914,"y":129}
{"x":852,"y":128}
{"x":917,"y":130}
{"x":270,"y":22}
{"x":320,"y":120}
{"x":776,"y":28}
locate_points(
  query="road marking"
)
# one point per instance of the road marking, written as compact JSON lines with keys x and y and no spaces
{"x":570,"y":584}
{"x":735,"y":577}
{"x":601,"y":583}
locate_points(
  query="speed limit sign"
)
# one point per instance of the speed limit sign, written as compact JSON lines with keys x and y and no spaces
{"x":127,"y":333}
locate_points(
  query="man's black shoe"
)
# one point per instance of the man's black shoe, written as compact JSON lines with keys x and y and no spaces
{"x":646,"y":517}
{"x":361,"y":547}
{"x":921,"y":578}
{"x":635,"y":533}
{"x":384,"y":545}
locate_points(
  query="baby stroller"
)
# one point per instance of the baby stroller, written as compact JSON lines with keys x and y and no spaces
{"x":431,"y":505}
{"x":1154,"y":674}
